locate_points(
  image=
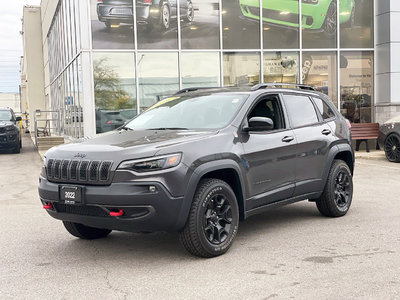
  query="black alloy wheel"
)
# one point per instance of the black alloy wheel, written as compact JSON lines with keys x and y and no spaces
{"x":213,"y":220}
{"x":217,"y":219}
{"x":392,"y":148}
{"x":337,"y":196}
{"x":342,"y":190}
{"x":330,"y":20}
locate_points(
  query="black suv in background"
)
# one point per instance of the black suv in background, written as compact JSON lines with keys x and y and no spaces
{"x":150,"y":13}
{"x":10,"y":134}
{"x":199,"y":162}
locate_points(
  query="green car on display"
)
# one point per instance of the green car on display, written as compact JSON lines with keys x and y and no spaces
{"x":319,"y":15}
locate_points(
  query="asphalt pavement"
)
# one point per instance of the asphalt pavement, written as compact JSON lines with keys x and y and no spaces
{"x":286,"y":253}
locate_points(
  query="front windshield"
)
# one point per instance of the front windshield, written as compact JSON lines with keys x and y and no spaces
{"x":213,"y":111}
{"x":5,"y":115}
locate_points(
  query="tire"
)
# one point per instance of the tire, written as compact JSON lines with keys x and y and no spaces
{"x":20,"y":142}
{"x":392,"y":147}
{"x":337,"y":196}
{"x":214,"y":206}
{"x":329,"y":26}
{"x":85,"y":232}
{"x":189,"y":13}
{"x":17,"y":148}
{"x":165,"y":21}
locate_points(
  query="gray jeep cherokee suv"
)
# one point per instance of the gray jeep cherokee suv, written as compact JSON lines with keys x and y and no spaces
{"x":201,"y":161}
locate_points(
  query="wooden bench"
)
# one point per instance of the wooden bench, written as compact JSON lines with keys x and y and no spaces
{"x":362,"y":132}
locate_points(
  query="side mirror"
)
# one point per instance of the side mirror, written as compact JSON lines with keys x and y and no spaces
{"x":18,"y":119}
{"x":259,"y":124}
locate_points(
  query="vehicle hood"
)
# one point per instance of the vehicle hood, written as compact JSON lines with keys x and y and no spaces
{"x":122,"y":145}
{"x":6,"y":123}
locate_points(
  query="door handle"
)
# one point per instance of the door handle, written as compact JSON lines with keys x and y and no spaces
{"x":287,"y":139}
{"x":326,"y":132}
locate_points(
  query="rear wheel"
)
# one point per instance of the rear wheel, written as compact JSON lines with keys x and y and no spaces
{"x":336,"y":198}
{"x":392,"y":147}
{"x":165,"y":17}
{"x":213,"y":220}
{"x":85,"y":232}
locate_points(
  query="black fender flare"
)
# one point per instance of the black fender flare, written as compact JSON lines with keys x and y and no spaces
{"x":194,"y":180}
{"x":333,"y":152}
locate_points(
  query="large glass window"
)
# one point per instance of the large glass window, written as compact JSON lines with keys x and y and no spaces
{"x":157,"y":26}
{"x":200,"y":24}
{"x":319,"y":24}
{"x":241,"y":68}
{"x":158,"y":77}
{"x":281,"y":24}
{"x":114,"y":89}
{"x":282,"y":67}
{"x":112,"y":24}
{"x":320,"y":70}
{"x":301,"y":110}
{"x":241,"y":24}
{"x":185,"y":112}
{"x":200,"y":69}
{"x":356,"y":23}
{"x":357,"y":86}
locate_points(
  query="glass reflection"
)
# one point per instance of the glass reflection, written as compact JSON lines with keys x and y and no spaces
{"x":319,"y":23}
{"x":241,"y":68}
{"x":204,"y":73}
{"x":158,"y":77}
{"x":356,"y":25}
{"x":114,"y":89}
{"x":240,"y":31}
{"x":357,"y":86}
{"x":112,"y":24}
{"x":202,"y":32}
{"x":320,"y":70}
{"x":282,"y":67}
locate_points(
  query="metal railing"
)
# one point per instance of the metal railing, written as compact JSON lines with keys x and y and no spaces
{"x":48,"y":124}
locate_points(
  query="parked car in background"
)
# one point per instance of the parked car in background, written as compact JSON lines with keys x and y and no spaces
{"x":10,"y":133}
{"x":319,"y":15}
{"x":201,"y":161}
{"x":107,"y":120}
{"x":389,"y":139}
{"x":150,"y":13}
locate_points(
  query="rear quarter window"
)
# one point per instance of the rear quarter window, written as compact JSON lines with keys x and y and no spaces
{"x":324,"y":109}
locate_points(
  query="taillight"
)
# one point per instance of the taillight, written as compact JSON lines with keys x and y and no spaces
{"x":148,"y":1}
{"x":100,"y":1}
{"x":348,"y":123}
{"x":109,"y":122}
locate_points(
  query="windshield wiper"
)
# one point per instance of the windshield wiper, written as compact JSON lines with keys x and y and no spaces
{"x":169,"y":128}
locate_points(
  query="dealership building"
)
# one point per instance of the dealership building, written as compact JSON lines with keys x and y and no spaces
{"x":101,"y":62}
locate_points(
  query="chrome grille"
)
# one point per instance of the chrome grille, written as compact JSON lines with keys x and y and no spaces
{"x":95,"y":172}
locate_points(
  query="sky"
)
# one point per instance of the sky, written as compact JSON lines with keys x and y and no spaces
{"x":11,"y":44}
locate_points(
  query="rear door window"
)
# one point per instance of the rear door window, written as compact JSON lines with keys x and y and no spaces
{"x":301,"y":110}
{"x":324,"y":109}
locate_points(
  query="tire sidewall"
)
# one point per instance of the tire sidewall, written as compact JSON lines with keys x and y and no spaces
{"x":214,"y":189}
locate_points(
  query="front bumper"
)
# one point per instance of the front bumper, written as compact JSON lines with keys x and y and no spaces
{"x":143,"y":210}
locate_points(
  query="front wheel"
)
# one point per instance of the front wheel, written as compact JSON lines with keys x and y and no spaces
{"x":392,"y":148}
{"x":165,"y":17}
{"x":213,"y":220}
{"x":85,"y":232}
{"x":336,"y":198}
{"x":329,"y":26}
{"x":190,"y":13}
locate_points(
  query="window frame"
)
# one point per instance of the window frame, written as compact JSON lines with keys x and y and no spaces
{"x":284,"y":117}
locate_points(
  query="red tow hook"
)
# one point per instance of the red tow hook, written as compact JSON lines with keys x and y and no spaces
{"x":118,"y":213}
{"x":48,"y":205}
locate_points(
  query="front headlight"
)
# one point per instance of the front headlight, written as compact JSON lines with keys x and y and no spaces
{"x":11,"y":128}
{"x":152,"y":164}
{"x":43,"y":170}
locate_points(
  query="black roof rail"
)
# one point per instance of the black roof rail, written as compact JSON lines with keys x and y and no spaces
{"x":194,"y":89}
{"x":277,"y":84}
